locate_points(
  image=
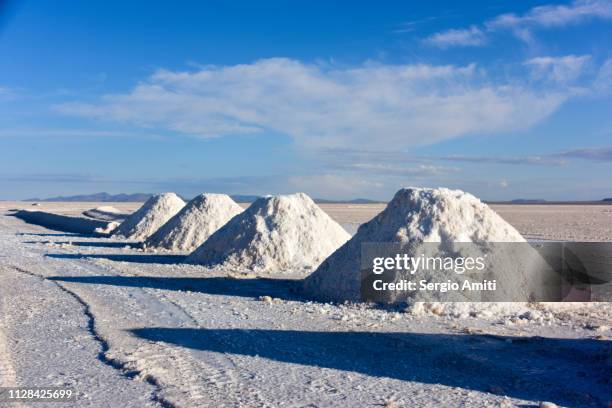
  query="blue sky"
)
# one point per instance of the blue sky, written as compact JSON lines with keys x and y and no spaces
{"x":502,"y":99}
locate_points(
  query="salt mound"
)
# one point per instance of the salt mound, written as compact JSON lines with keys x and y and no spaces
{"x":66,"y":223}
{"x":197,"y":221}
{"x":275,"y":234}
{"x":112,"y":225}
{"x":147,"y":219}
{"x":413,"y":217}
{"x":105,"y":213}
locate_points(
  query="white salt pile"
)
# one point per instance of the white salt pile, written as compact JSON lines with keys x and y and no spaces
{"x":112,"y":225}
{"x":105,"y":213}
{"x":416,"y":216}
{"x":275,"y":234}
{"x":197,"y":221}
{"x":147,"y":219}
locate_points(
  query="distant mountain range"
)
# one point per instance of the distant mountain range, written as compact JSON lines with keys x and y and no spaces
{"x":141,"y":197}
{"x":528,"y":201}
{"x":99,"y":197}
{"x":540,"y":201}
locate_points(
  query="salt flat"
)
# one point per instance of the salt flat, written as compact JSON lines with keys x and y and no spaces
{"x":127,"y":328}
{"x":551,"y":221}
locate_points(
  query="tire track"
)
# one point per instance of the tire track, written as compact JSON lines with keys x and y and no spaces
{"x":7,"y":372}
{"x":104,"y":346}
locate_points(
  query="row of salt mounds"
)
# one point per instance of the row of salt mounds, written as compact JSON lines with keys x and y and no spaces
{"x":154,"y":213}
{"x":286,"y":233}
{"x":416,"y":216}
{"x":197,"y":221}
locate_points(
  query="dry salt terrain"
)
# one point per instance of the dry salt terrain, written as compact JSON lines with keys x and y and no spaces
{"x":127,"y":328}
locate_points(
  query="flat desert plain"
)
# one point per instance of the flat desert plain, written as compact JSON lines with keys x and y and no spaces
{"x":570,"y":222}
{"x":548,"y":222}
{"x":127,"y":328}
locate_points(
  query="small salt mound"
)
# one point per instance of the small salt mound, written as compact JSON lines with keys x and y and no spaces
{"x":197,"y":221}
{"x":108,"y":229}
{"x":105,"y":213}
{"x":275,"y":234}
{"x":416,"y":216}
{"x":147,"y":219}
{"x":65,"y":223}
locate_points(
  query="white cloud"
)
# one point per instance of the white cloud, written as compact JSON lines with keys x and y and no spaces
{"x":472,"y":36}
{"x":603,"y":82}
{"x":542,"y":17}
{"x":558,"y":69}
{"x":338,"y":186}
{"x":77,"y":133}
{"x":372,"y":106}
{"x":388,"y":169}
{"x":8,"y":94}
{"x":555,"y":15}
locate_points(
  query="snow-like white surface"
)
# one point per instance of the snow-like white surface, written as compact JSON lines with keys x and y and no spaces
{"x":66,"y":223}
{"x":194,"y":223}
{"x":133,"y":329}
{"x":276,"y":234}
{"x":154,"y":213}
{"x":416,"y":216}
{"x":110,"y":227}
{"x":105,"y":213}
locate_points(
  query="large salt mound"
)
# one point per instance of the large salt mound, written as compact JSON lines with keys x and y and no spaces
{"x":147,"y":219}
{"x":415,"y":216}
{"x":275,"y":234}
{"x":197,"y":221}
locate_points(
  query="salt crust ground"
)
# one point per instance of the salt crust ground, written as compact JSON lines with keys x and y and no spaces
{"x":206,"y":339}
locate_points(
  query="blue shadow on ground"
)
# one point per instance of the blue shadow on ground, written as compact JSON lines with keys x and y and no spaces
{"x":573,"y":372}
{"x":137,"y":258}
{"x":101,"y":244}
{"x":278,"y":288}
{"x":50,"y":234}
